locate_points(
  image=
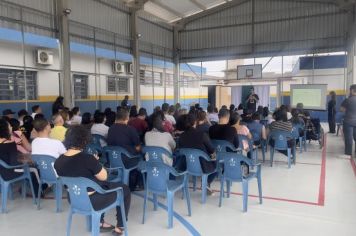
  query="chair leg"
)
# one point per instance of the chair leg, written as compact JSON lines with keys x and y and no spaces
{"x":155,"y":202}
{"x":187,"y":197}
{"x":263,"y":152}
{"x":31,"y":187}
{"x":221,"y":191}
{"x":259,"y":187}
{"x":39,"y":195}
{"x":89,"y":224}
{"x":144,"y":206}
{"x":4,"y":195}
{"x":123,"y":215}
{"x":170,"y":197}
{"x":204,"y":185}
{"x":58,"y":189}
{"x":300,"y":144}
{"x":95,"y":221}
{"x":69,"y":223}
{"x":194,"y":183}
{"x":289,"y":157}
{"x":126,"y":177}
{"x":271,"y":153}
{"x":11,"y":192}
{"x":23,"y":189}
{"x":245,"y":194}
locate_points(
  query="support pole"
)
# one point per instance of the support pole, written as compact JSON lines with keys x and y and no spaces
{"x":65,"y":75}
{"x":176,"y":72}
{"x":135,"y":57}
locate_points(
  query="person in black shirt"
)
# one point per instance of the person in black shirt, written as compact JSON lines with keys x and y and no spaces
{"x":57,"y":105}
{"x":332,"y":112}
{"x":125,"y":102}
{"x":125,"y":136}
{"x":76,"y":163}
{"x":193,"y":138}
{"x":223,"y":130}
{"x":251,"y":101}
{"x":349,"y":126}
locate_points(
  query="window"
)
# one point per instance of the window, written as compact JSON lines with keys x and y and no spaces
{"x":146,"y":78}
{"x":12,"y":85}
{"x":169,"y":80}
{"x":119,"y":84}
{"x":80,"y":86}
{"x":189,"y":82}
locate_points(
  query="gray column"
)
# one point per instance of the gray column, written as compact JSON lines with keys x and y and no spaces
{"x":176,"y":72}
{"x":65,"y":75}
{"x":136,"y":57}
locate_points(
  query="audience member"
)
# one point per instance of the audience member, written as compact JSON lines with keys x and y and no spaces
{"x":193,"y":138}
{"x":22,"y":144}
{"x":58,"y":131}
{"x":223,"y":130}
{"x":159,"y":138}
{"x":21,"y":114}
{"x":76,"y":163}
{"x":43,"y":145}
{"x":212,"y":115}
{"x":86,"y":120}
{"x":235,"y":122}
{"x":110,"y":118}
{"x":203,"y":123}
{"x":57,"y":105}
{"x":27,"y":126}
{"x":257,"y":130}
{"x":139,"y":123}
{"x":133,"y":111}
{"x":120,"y":134}
{"x":36,"y":109}
{"x":8,"y":113}
{"x":76,"y":119}
{"x":99,"y":127}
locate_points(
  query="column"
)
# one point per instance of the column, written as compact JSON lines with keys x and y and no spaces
{"x":176,"y":72}
{"x":136,"y":57}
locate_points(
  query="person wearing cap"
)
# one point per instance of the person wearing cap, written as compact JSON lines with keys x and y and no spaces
{"x":8,"y":113}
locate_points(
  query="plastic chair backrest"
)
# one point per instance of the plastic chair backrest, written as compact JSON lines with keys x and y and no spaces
{"x":157,"y":176}
{"x":78,"y":192}
{"x":255,"y":130}
{"x":93,"y":149}
{"x":97,"y":138}
{"x":223,"y":145}
{"x":114,"y":154}
{"x":45,"y":166}
{"x":192,"y":160}
{"x":232,"y":165}
{"x":156,"y":153}
{"x":244,"y":137}
{"x":280,"y":139}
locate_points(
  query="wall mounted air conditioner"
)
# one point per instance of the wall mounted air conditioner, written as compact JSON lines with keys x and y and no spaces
{"x":44,"y":57}
{"x":118,"y":67}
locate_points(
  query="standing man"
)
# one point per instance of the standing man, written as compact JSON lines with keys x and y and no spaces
{"x":349,"y":107}
{"x":125,"y":102}
{"x":332,"y":112}
{"x":251,"y":101}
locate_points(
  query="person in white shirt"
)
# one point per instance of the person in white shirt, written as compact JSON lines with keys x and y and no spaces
{"x":99,"y":126}
{"x":36,"y":109}
{"x":43,"y":145}
{"x":159,"y":138}
{"x":76,"y":119}
{"x":212,"y":115}
{"x":21,"y":114}
{"x":165,"y":108}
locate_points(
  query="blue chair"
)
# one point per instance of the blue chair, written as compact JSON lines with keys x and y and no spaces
{"x":224,"y":146}
{"x":280,"y":143}
{"x":194,"y":168}
{"x":6,"y":184}
{"x":49,"y":176}
{"x":296,"y":135}
{"x":80,"y":202}
{"x":156,"y":153}
{"x":96,"y":149}
{"x":252,"y":149}
{"x":233,"y":173}
{"x":114,"y":156}
{"x":158,"y":183}
{"x":257,"y":137}
{"x":98,"y":139}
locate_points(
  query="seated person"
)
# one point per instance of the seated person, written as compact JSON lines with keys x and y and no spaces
{"x":212,"y":115}
{"x":282,"y":124}
{"x":297,"y":120}
{"x":193,"y":138}
{"x":257,"y":130}
{"x":22,"y":144}
{"x":76,"y":163}
{"x":223,"y":130}
{"x":76,"y":118}
{"x":159,"y":138}
{"x":139,"y":122}
{"x":58,"y":131}
{"x":21,"y":114}
{"x":10,"y":155}
{"x":203,"y":122}
{"x":168,"y":117}
{"x":99,"y":127}
{"x":86,"y":120}
{"x":120,"y":134}
{"x":241,"y":129}
{"x":36,"y":109}
{"x":43,"y":145}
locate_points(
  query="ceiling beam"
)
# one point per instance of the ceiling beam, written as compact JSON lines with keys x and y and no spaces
{"x":198,"y":4}
{"x":211,"y":11}
{"x":167,"y":8}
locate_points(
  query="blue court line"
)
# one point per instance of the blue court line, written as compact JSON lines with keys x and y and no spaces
{"x":184,"y":222}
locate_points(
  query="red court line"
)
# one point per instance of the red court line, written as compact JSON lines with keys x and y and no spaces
{"x":353,"y":165}
{"x":302,"y":163}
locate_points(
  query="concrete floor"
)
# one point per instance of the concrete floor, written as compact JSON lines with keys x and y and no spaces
{"x":315,"y":197}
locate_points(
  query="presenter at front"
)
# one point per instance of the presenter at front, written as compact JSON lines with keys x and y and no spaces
{"x":251,"y":101}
